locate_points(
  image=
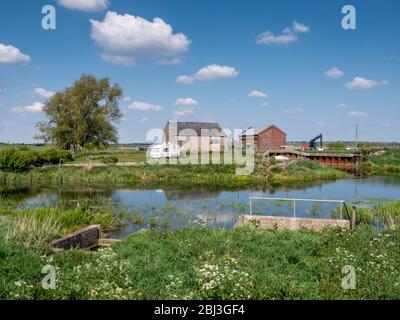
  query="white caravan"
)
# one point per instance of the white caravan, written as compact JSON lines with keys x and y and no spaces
{"x":165,"y":150}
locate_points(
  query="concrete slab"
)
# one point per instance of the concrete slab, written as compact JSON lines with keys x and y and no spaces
{"x":292,"y":223}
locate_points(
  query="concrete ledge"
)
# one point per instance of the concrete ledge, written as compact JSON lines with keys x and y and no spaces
{"x":292,"y":223}
{"x":87,"y":238}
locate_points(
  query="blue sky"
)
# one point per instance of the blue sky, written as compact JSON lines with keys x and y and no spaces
{"x":250,"y":63}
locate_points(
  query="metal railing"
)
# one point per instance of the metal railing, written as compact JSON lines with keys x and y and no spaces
{"x":294,"y":200}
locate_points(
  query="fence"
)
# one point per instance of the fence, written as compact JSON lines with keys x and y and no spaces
{"x":294,"y":201}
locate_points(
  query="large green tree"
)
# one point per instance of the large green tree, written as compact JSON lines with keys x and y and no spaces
{"x":85,"y":113}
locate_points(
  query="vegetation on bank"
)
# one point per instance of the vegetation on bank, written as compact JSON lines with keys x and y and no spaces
{"x":295,"y":170}
{"x":199,"y":263}
{"x":387,"y":214}
{"x":382,"y":161}
{"x":266,"y":172}
{"x":244,"y":263}
{"x":25,"y":165}
{"x":23,"y":159}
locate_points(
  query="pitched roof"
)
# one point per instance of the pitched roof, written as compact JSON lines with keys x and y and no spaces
{"x":258,"y":130}
{"x":195,"y":128}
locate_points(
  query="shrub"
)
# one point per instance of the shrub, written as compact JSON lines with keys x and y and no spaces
{"x":12,"y":160}
{"x":22,"y":159}
{"x":54,"y":156}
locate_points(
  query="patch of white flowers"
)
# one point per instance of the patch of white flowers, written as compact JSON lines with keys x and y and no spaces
{"x":222,"y":279}
{"x":22,"y":290}
{"x":90,"y":276}
{"x":107,"y":277}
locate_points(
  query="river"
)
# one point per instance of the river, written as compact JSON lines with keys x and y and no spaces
{"x":174,"y":208}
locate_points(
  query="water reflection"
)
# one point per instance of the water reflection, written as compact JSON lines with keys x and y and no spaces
{"x":173,"y":208}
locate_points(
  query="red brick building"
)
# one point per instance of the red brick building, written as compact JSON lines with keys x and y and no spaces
{"x":263,"y":138}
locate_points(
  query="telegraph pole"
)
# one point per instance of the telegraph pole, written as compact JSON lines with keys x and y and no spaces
{"x":356,"y":135}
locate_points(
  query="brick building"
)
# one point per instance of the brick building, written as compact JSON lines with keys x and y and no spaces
{"x":263,"y":137}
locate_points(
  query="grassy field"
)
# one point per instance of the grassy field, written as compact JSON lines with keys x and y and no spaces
{"x":196,"y":263}
{"x":110,"y":156}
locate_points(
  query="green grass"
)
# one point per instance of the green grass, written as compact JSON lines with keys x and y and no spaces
{"x":104,"y":155}
{"x":199,"y":263}
{"x":387,"y":213}
{"x":301,"y":170}
{"x":66,"y":221}
{"x":211,"y":264}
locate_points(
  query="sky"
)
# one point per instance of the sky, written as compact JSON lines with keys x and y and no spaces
{"x":239,"y":63}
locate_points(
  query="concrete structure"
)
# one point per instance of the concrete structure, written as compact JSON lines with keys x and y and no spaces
{"x":195,"y":136}
{"x":334,"y":159}
{"x":87,"y":238}
{"x":263,"y":138}
{"x":292,"y":223}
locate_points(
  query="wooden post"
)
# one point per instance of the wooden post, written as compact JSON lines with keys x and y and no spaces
{"x":353,"y":218}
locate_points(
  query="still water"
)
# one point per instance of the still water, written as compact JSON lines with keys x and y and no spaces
{"x":175,"y":208}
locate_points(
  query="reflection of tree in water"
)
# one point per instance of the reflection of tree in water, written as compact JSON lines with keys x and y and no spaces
{"x":60,"y":197}
{"x":190,"y":194}
{"x":87,"y":198}
{"x":17,"y":194}
{"x":84,"y":193}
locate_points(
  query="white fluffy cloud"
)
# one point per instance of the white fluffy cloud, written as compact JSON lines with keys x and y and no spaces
{"x":144,"y":106}
{"x":288,"y":35}
{"x":183,"y":112}
{"x":359,"y":83}
{"x":341,"y":105}
{"x":185,"y":79}
{"x":125,"y":38}
{"x":213,"y":71}
{"x":84,"y":5}
{"x":258,"y":94}
{"x":10,"y":54}
{"x":357,"y":114}
{"x":299,"y":27}
{"x":187,"y":102}
{"x":35,"y":107}
{"x":186,"y":106}
{"x":269,"y":38}
{"x":43,"y":93}
{"x":210,"y":72}
{"x":293,"y":110}
{"x":334,"y":73}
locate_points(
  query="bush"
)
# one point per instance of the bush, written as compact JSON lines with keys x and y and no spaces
{"x":12,"y":160}
{"x":22,"y":159}
{"x":55,"y":156}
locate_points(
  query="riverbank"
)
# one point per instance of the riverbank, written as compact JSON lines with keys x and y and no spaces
{"x":266,"y":172}
{"x":380,"y":162}
{"x":244,"y":263}
{"x":241,"y":263}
